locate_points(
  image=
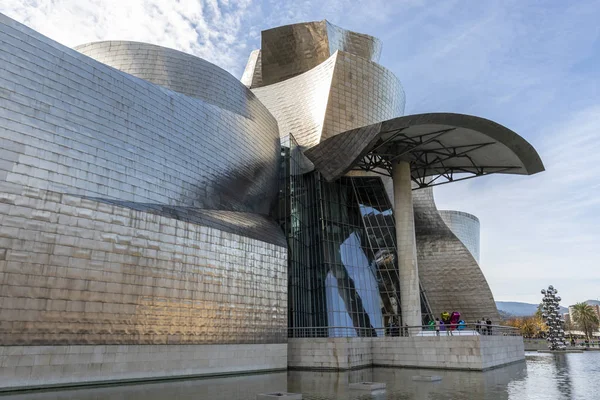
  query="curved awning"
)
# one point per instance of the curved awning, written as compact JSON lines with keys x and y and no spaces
{"x":441,"y":148}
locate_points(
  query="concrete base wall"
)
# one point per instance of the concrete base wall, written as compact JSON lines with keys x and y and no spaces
{"x":455,"y":352}
{"x":330,"y":353}
{"x":31,"y":366}
{"x":535,"y":344}
{"x":445,"y":352}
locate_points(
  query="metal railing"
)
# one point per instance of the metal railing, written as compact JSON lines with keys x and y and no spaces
{"x":400,"y":331}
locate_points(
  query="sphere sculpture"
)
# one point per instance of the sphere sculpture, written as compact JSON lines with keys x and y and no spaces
{"x":553,"y":319}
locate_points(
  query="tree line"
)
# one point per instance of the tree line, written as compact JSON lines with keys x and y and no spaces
{"x":583,"y":318}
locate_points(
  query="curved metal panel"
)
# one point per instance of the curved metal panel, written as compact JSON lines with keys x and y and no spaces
{"x":466,"y":227}
{"x":362,"y":93}
{"x":449,"y":274}
{"x":341,"y":93}
{"x":299,"y":104}
{"x":101,"y":177}
{"x":509,"y":148}
{"x":290,"y":50}
{"x":365,"y":46}
{"x":252,"y":76}
{"x":83,"y":272}
{"x":433,"y":144}
{"x":99,"y":132}
{"x":180,"y":72}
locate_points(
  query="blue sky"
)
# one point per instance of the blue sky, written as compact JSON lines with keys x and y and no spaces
{"x":533,"y":66}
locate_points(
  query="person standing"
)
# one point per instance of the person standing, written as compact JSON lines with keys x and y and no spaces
{"x":482,"y":325}
{"x":489,"y":326}
{"x":478,"y":325}
{"x":443,"y":327}
{"x":437,"y":327}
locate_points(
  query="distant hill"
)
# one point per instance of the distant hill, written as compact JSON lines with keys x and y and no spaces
{"x":504,"y":316}
{"x":518,"y":309}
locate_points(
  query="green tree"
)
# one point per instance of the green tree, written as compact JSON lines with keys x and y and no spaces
{"x":585,"y":318}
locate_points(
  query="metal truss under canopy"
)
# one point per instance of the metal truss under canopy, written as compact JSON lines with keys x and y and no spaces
{"x":441,"y":148}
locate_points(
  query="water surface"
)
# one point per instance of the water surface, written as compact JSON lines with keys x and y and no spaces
{"x":541,"y":377}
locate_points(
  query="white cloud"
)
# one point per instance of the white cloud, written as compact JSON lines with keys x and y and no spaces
{"x":206,"y":28}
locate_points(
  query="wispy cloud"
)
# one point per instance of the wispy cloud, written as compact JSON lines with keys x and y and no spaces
{"x":209,"y":29}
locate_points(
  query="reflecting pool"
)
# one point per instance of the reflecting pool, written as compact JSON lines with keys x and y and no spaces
{"x":543,"y":376}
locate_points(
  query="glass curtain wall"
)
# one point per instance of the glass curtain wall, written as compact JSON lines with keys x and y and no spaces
{"x":343,"y":274}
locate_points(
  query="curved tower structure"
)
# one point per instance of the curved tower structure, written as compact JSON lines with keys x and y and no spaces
{"x":465,"y":227}
{"x":336,"y":86}
{"x":448,"y":257}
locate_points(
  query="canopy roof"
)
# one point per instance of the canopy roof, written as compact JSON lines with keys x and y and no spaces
{"x":441,"y":148}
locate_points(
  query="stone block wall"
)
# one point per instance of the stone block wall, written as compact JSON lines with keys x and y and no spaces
{"x":330,"y":353}
{"x":444,"y":352}
{"x":30,"y":366}
{"x":499,"y":350}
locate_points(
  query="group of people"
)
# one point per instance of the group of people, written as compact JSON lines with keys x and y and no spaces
{"x":448,"y":323}
{"x":483,"y":326}
{"x":440,"y":325}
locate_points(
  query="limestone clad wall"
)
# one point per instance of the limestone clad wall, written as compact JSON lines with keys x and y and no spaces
{"x":456,"y":352}
{"x":329,"y":353}
{"x":27,"y":366}
{"x":443,"y":352}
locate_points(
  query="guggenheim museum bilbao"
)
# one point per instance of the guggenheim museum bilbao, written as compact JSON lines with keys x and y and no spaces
{"x":160,"y":217}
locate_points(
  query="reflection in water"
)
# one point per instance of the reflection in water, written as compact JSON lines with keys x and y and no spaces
{"x":545,"y":376}
{"x":231,"y":388}
{"x":572,"y":376}
{"x":454,"y":384}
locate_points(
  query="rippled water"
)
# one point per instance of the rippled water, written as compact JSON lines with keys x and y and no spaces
{"x":542,"y":376}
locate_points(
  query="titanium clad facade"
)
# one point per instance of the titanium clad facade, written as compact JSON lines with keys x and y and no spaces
{"x":132,"y":213}
{"x":364,"y":46}
{"x":362,"y":93}
{"x":466,"y":227}
{"x":342,"y":93}
{"x":107,"y":134}
{"x":179,"y":72}
{"x":299,"y":104}
{"x":448,"y":271}
{"x":291,"y":50}
{"x":79,"y":271}
{"x":252,"y":76}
